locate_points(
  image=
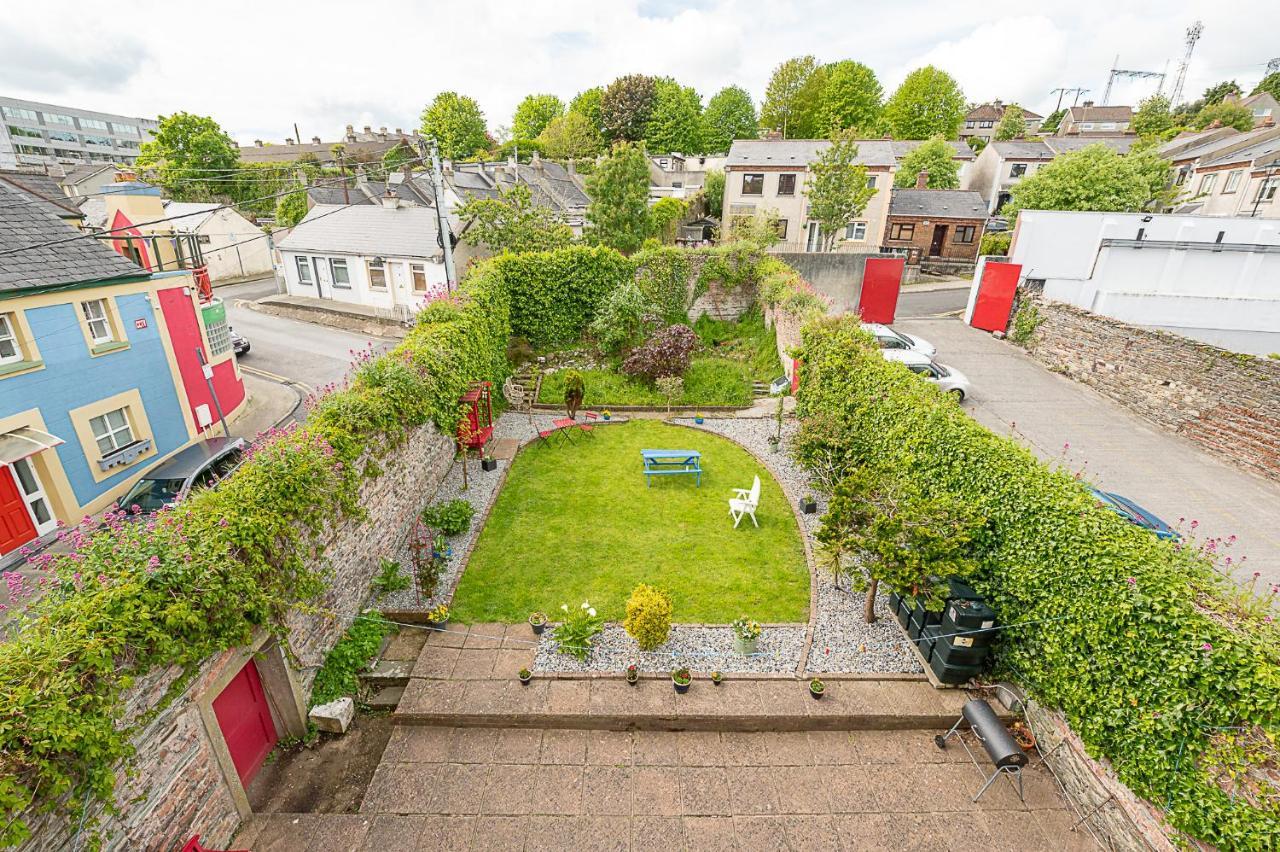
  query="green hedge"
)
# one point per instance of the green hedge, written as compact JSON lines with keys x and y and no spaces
{"x":203,"y":576}
{"x":554,"y":295}
{"x":1159,"y":664}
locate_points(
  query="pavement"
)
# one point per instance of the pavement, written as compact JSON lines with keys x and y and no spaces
{"x":933,"y":299}
{"x":1070,"y":424}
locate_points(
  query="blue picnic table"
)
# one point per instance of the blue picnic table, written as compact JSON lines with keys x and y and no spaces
{"x":670,"y":463}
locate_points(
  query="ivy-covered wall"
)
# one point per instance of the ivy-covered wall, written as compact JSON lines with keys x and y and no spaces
{"x":1158,"y":663}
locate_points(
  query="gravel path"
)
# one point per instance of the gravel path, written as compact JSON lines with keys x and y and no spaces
{"x":702,"y":649}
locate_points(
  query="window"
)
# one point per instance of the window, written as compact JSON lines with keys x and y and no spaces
{"x":31,"y":150}
{"x":1017,"y":170}
{"x":63,"y":136}
{"x":33,"y":494}
{"x":965,"y":233}
{"x":871,"y":181}
{"x":1207,"y":182}
{"x":968,"y":125}
{"x":1107,"y":125}
{"x":104,"y":141}
{"x":902,"y":231}
{"x":813,"y":241}
{"x":1088,"y":125}
{"x":419,"y":271}
{"x":127,"y":143}
{"x":985,"y":123}
{"x":1233,"y":182}
{"x":753,"y":184}
{"x":125,"y":129}
{"x":377,"y":275}
{"x":341,"y":275}
{"x":304,"y":270}
{"x":20,"y":114}
{"x":93,"y":124}
{"x":855,"y":231}
{"x":781,"y":227}
{"x":1267,"y":191}
{"x":786,"y":184}
{"x":10,"y":349}
{"x":59,"y":118}
{"x":27,"y":132}
{"x":67,"y":154}
{"x":95,"y":316}
{"x":112,"y":431}
{"x":219,"y":337}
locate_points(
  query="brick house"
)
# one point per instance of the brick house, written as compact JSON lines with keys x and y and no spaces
{"x":981,"y":121}
{"x":1089,"y":119}
{"x":935,"y":224}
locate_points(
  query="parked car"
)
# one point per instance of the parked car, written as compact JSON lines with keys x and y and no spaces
{"x":202,"y":465}
{"x":1136,"y":515}
{"x":239,"y":343}
{"x":949,"y":379}
{"x":896,"y":340}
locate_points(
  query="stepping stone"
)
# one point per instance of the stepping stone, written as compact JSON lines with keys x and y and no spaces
{"x":505,"y":448}
{"x":387,"y":673}
{"x":386,"y":698}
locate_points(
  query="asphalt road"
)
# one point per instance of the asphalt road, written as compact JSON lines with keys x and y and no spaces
{"x":315,"y":355}
{"x":930,"y":303}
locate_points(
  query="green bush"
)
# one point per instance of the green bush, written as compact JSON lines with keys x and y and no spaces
{"x":648,"y":618}
{"x":995,"y":243}
{"x":452,"y":517}
{"x":555,"y":295}
{"x":355,"y":650}
{"x":1025,"y":323}
{"x":389,"y":578}
{"x":1156,"y":661}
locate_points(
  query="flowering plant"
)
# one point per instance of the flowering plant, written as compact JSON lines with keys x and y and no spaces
{"x":746,"y":629}
{"x":573,"y":635}
{"x":438,"y":615}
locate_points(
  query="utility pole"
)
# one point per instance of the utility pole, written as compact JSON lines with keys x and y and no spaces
{"x":1193,"y":35}
{"x":296,"y":135}
{"x":442,"y":216}
{"x":1062,"y":91}
{"x":342,"y":164}
{"x":1117,"y":71}
{"x":208,"y":380}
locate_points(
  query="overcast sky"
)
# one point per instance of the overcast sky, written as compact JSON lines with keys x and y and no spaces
{"x":259,"y":67}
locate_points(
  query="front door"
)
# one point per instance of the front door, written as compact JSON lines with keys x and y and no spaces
{"x":401,"y":283}
{"x":939,"y":240}
{"x":33,"y":493}
{"x":245,"y":719}
{"x":813,"y":242}
{"x":324,"y":281}
{"x":16,"y":528}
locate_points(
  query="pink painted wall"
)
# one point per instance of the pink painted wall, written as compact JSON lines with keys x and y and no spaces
{"x":184,"y":333}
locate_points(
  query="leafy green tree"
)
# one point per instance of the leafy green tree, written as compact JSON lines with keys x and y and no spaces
{"x":928,"y":103}
{"x":1269,"y":84}
{"x":626,"y":107}
{"x":792,"y":98}
{"x":571,"y":136}
{"x":512,"y":222}
{"x":587,"y":104}
{"x":1216,"y":93}
{"x":191,"y":156}
{"x":936,"y":156}
{"x":1012,"y":124}
{"x":730,"y":115}
{"x":713,"y":192}
{"x":1229,"y":113}
{"x":976,"y":143}
{"x":533,"y":114}
{"x":1051,"y":121}
{"x":665,"y":217}
{"x":457,"y":124}
{"x":838,"y":191}
{"x":291,"y":208}
{"x":1094,"y":178}
{"x":619,"y":191}
{"x":397,"y":157}
{"x":522,"y":149}
{"x":1153,"y":117}
{"x":676,"y":121}
{"x":851,"y":97}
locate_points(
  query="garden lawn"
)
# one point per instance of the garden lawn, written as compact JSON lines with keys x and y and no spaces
{"x":576,"y":523}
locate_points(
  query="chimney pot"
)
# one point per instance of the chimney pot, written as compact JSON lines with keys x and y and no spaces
{"x":350,"y":128}
{"x":315,"y":140}
{"x":922,"y":180}
{"x":368,"y":130}
{"x":1087,"y":104}
{"x":382,"y":129}
{"x":288,"y":140}
{"x":399,"y":132}
{"x":773,"y":135}
{"x":257,"y":143}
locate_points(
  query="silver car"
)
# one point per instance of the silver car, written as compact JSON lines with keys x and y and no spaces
{"x":949,"y":379}
{"x":894,"y":341}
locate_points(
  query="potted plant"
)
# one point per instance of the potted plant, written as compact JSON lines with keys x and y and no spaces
{"x":605,"y":414}
{"x":775,"y":442}
{"x":808,"y":505}
{"x":538,"y":621}
{"x":525,"y":676}
{"x":681,"y":678}
{"x":746,"y":634}
{"x":437,"y":618}
{"x":633,"y":674}
{"x":488,"y":463}
{"x":698,"y":418}
{"x":817,"y":688}
{"x":717,"y":677}
{"x":574,"y":391}
{"x":1023,"y":736}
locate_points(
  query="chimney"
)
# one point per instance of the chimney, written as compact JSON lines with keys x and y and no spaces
{"x":888,"y":137}
{"x":1087,"y":104}
{"x":997,"y":103}
{"x":257,"y":143}
{"x":773,"y":135}
{"x":1214,"y":125}
{"x":390,"y":200}
{"x":125,"y":176}
{"x":288,"y":140}
{"x":407,"y":171}
{"x":315,"y":140}
{"x":571,"y":168}
{"x":537,"y":161}
{"x":399,"y":132}
{"x":362,"y":180}
{"x":350,"y":135}
{"x":302,"y":177}
{"x":922,"y":180}
{"x":368,"y":131}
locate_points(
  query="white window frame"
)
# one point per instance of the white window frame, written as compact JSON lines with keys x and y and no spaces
{"x":9,"y":336}
{"x":856,"y":231}
{"x":1267,"y":190}
{"x":1013,"y":167}
{"x":303,"y":264}
{"x":33,"y":494}
{"x":103,"y":430}
{"x":369,"y":267}
{"x":418,"y":272}
{"x":336,"y":263}
{"x":1233,"y":182}
{"x":99,"y":321}
{"x":1207,"y":182}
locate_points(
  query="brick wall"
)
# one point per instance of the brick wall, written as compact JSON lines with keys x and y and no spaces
{"x":177,"y":787}
{"x":922,"y":238}
{"x":1226,"y":402}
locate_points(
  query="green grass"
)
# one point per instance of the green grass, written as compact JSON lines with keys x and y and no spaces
{"x":747,"y":341}
{"x":577,"y":523}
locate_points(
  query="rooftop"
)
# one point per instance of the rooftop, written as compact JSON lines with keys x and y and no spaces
{"x":938,"y":203}
{"x":366,"y":229}
{"x":802,"y":152}
{"x":45,"y":189}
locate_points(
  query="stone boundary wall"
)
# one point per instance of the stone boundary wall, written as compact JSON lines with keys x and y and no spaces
{"x":786,"y":329}
{"x":182,"y":782}
{"x":1227,"y":402}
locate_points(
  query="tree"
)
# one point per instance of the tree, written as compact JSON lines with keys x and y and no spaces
{"x":1216,"y":93}
{"x":1153,"y":118}
{"x":457,"y":124}
{"x":928,"y":103}
{"x":729,"y":115}
{"x":838,"y":191}
{"x":713,"y":193}
{"x":626,"y":106}
{"x":512,"y":222}
{"x":291,"y":208}
{"x":1269,"y":84}
{"x":1228,"y":113}
{"x":792,"y":97}
{"x":1012,"y":124}
{"x":936,"y":156}
{"x":571,"y":136}
{"x":397,"y":157}
{"x":1093,"y":178}
{"x":851,"y":97}
{"x":665,"y":217}
{"x":619,"y":191}
{"x":533,"y":114}
{"x":886,"y":529}
{"x":192,"y":157}
{"x":1051,"y":121}
{"x":675,"y":125}
{"x":587,"y":105}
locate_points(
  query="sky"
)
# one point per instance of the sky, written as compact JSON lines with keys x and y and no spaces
{"x":259,"y":68}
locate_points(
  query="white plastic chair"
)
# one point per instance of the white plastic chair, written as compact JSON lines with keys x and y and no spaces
{"x":745,"y":503}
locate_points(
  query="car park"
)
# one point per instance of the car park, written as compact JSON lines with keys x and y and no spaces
{"x":947,"y":378}
{"x":202,"y":465}
{"x":1135,"y":514}
{"x":891,"y":340}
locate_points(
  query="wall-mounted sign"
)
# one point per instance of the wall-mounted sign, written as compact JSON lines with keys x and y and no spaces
{"x":140,"y":324}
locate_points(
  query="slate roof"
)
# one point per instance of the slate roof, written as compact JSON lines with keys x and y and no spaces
{"x":185,"y":209}
{"x":1068,"y":144}
{"x":1259,"y":150}
{"x":1192,"y":144}
{"x":903,"y":147}
{"x":938,"y":203}
{"x":1023,"y":149}
{"x":366,"y":229}
{"x":1099,"y":113}
{"x":72,"y":262}
{"x":802,"y":152}
{"x":45,"y":189}
{"x":322,"y":151}
{"x":994,"y":112}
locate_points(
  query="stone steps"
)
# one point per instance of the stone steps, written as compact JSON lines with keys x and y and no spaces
{"x":386,"y":698}
{"x":387,"y":673}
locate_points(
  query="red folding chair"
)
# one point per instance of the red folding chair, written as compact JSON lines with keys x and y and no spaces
{"x":194,"y":845}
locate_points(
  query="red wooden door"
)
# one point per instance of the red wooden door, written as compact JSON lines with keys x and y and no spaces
{"x":995,"y":296}
{"x":881,"y":278}
{"x":16,"y":526}
{"x":245,"y":719}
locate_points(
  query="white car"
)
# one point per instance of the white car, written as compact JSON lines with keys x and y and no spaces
{"x":949,"y":379}
{"x":896,"y":341}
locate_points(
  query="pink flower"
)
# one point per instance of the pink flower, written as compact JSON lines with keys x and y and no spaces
{"x":1132,"y":581}
{"x":1207,"y":646}
{"x":154,"y":562}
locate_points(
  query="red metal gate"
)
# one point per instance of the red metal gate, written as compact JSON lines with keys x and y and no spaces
{"x":995,"y":296}
{"x":16,"y":526}
{"x":881,"y":278}
{"x":245,"y":719}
